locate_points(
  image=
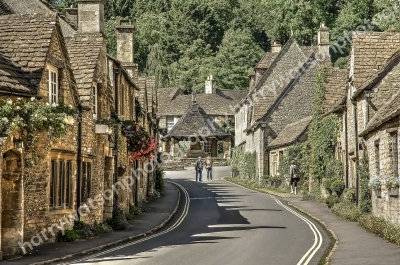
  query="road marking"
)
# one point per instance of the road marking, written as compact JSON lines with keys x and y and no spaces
{"x":175,"y":225}
{"x":203,"y":198}
{"x":317,"y":235}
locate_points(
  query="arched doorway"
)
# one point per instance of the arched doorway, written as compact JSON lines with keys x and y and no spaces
{"x":11,"y":203}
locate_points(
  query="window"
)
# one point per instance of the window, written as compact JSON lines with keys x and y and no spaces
{"x":365,"y":112}
{"x":395,"y":155}
{"x":170,"y":123}
{"x":86,"y":181}
{"x":274,"y":164}
{"x":53,"y":84}
{"x":94,"y":94}
{"x":60,"y":184}
{"x":377,"y":158}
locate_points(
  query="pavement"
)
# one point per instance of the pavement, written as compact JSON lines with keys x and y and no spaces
{"x":159,"y":213}
{"x":353,"y":244}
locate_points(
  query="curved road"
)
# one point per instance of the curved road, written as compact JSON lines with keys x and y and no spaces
{"x":221,"y":223}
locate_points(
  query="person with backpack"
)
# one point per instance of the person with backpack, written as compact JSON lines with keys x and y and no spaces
{"x":199,"y":169}
{"x":294,"y":177}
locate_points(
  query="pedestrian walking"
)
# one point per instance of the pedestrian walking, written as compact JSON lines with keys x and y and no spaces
{"x":209,"y":163}
{"x":199,"y":169}
{"x":294,"y":177}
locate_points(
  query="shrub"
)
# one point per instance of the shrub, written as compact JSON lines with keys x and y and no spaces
{"x":338,"y":186}
{"x":350,"y":195}
{"x":129,"y":216}
{"x":136,"y":210}
{"x":118,"y":220}
{"x":332,"y":200}
{"x":381,"y":227}
{"x":327,"y":185}
{"x":101,"y":228}
{"x":159,"y":185}
{"x":69,"y":236}
{"x":347,"y":210}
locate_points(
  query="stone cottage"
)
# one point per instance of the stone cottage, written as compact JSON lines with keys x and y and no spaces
{"x":46,"y":56}
{"x":371,"y":60}
{"x":219,"y":104}
{"x":282,"y":89}
{"x":33,"y":195}
{"x":379,"y":133}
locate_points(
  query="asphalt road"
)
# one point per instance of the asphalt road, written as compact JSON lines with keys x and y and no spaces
{"x":221,"y":223}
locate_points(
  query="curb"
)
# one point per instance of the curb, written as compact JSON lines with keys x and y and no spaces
{"x":335,"y":245}
{"x":101,"y":247}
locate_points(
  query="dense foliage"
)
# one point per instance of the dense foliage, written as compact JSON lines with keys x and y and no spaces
{"x":181,"y":42}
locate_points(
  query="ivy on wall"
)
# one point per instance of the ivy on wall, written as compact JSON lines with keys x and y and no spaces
{"x":365,"y":202}
{"x":244,"y":163}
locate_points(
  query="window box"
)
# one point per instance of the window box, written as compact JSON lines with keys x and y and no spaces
{"x":102,"y":129}
{"x":394,"y":192}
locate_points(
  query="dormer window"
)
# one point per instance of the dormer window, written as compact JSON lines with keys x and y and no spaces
{"x":53,"y":84}
{"x":94,"y":101}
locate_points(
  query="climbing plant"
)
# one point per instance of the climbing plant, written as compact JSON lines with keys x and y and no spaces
{"x":365,"y":203}
{"x":244,"y":163}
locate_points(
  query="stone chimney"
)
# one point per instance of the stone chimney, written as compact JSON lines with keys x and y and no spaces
{"x":276,"y":47}
{"x":72,"y":15}
{"x":323,"y":39}
{"x":90,"y":16}
{"x":210,"y":85}
{"x":125,"y":51}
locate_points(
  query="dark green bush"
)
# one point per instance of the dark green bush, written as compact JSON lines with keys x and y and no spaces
{"x":338,"y":186}
{"x":118,"y":220}
{"x":350,"y":195}
{"x":159,"y":185}
{"x":69,"y":236}
{"x":129,"y":216}
{"x":327,"y":185}
{"x":332,"y":200}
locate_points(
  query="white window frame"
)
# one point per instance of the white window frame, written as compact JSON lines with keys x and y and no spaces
{"x":169,"y":120}
{"x":95,"y":100}
{"x":53,"y":84}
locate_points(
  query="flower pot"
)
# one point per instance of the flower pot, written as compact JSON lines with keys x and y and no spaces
{"x":394,"y":192}
{"x":378,"y":193}
{"x":101,"y":129}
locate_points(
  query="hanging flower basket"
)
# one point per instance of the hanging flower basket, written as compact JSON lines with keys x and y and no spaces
{"x":140,"y":144}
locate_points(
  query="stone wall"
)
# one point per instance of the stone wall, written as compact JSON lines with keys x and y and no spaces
{"x":380,"y":142}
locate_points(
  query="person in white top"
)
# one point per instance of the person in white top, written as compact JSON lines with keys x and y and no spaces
{"x":294,"y":177}
{"x":209,"y":163}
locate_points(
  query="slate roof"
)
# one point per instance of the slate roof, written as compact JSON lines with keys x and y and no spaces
{"x":334,"y":88}
{"x":277,"y":82}
{"x":380,"y":47}
{"x":267,"y":60}
{"x":83,"y":60}
{"x":290,"y":133}
{"x":39,"y":6}
{"x":172,"y":101}
{"x":4,"y":9}
{"x":379,"y":75}
{"x":389,"y":111}
{"x":25,"y":39}
{"x":195,"y":119}
{"x":13,"y":79}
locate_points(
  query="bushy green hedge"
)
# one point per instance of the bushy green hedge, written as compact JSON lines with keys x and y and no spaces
{"x":347,"y":210}
{"x":159,"y":179}
{"x":381,"y":227}
{"x":82,"y":230}
{"x":244,"y":163}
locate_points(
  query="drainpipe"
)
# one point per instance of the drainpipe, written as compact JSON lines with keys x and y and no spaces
{"x":79,"y":161}
{"x":354,"y":102}
{"x":115,"y":116}
{"x":346,"y":146}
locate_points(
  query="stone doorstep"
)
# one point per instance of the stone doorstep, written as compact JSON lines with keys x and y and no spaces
{"x":98,"y":248}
